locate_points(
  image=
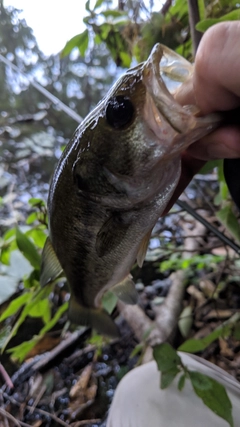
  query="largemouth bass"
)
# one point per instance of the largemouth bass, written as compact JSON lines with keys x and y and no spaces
{"x":114,"y":180}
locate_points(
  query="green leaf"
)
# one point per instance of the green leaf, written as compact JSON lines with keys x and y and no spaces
{"x":114,"y":13}
{"x":109,"y":301}
{"x":38,"y":236}
{"x":87,"y":5}
{"x":213,"y":395}
{"x":192,"y":346}
{"x":181,"y":382}
{"x":200,"y":381}
{"x":15,"y":305}
{"x":36,"y":202}
{"x":195,"y":345}
{"x":125,"y":59}
{"x":55,"y":319}
{"x":19,"y":352}
{"x":201,"y":8}
{"x":8,"y":244}
{"x":166,"y":357}
{"x":41,"y":309}
{"x":137,"y":349}
{"x":234,"y":15}
{"x":97,"y":39}
{"x":209,"y":166}
{"x":31,"y":218}
{"x":103,"y":30}
{"x":80,"y":41}
{"x":236,"y":332}
{"x":9,"y":234}
{"x":168,"y":376}
{"x":4,"y":332}
{"x":185,"y":321}
{"x":28,"y":249}
{"x":179,"y":8}
{"x":33,"y":300}
{"x":98,"y":4}
{"x":229,"y":220}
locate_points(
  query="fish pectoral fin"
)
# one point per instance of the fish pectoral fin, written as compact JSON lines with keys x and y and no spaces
{"x":50,"y":266}
{"x":143,"y":248}
{"x":94,"y":317}
{"x":126,"y":291}
{"x":111,"y":234}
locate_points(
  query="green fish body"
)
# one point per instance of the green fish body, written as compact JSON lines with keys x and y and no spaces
{"x":113,"y":181}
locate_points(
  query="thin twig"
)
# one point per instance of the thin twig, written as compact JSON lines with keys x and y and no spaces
{"x":12,"y":418}
{"x":83,"y":422}
{"x":6,"y":377}
{"x":48,"y":414}
{"x":40,"y":411}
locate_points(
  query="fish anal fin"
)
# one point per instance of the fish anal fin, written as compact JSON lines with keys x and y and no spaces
{"x":143,"y":248}
{"x":126,"y":291}
{"x":94,"y":317}
{"x":50,"y":265}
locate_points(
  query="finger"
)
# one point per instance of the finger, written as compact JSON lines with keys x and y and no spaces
{"x":224,"y":143}
{"x":217,"y":65}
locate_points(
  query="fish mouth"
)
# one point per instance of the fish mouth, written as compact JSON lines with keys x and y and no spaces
{"x":165,"y":104}
{"x":175,"y":126}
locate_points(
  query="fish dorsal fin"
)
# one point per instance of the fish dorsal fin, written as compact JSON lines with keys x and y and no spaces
{"x":50,"y":266}
{"x":143,"y":248}
{"x":111,"y":234}
{"x":126,"y":291}
{"x":93,"y":317}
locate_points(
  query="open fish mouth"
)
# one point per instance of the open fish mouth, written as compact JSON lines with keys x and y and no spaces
{"x":156,"y":77}
{"x":163,"y":73}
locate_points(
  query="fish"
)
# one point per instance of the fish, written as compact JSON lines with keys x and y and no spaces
{"x":114,"y":180}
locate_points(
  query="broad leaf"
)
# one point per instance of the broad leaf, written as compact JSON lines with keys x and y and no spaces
{"x":229,"y":220}
{"x":234,"y":15}
{"x":80,"y":41}
{"x":15,"y":305}
{"x":213,"y":395}
{"x":181,"y":382}
{"x":19,"y":352}
{"x":167,"y":377}
{"x":194,"y":345}
{"x":114,"y":13}
{"x":28,"y":249}
{"x":98,"y":4}
{"x":166,"y":357}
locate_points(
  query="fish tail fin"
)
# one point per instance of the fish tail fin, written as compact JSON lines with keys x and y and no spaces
{"x":94,"y":317}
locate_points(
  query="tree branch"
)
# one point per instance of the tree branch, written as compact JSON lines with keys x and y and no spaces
{"x":194,"y":18}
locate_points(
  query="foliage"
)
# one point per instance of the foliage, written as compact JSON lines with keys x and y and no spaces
{"x":224,"y":330}
{"x":128,"y":34}
{"x":212,"y":393}
{"x":33,"y":301}
{"x":196,"y":262}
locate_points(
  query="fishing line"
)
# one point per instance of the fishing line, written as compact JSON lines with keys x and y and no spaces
{"x":209,"y":226}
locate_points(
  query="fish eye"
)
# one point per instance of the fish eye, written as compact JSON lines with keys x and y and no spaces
{"x":119,"y":111}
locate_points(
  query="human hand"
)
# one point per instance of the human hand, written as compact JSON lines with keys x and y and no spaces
{"x":215,"y":86}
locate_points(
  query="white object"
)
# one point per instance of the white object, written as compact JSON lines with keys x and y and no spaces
{"x":139,"y":401}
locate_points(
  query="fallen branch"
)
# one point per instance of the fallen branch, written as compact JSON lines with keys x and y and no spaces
{"x":163,"y":327}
